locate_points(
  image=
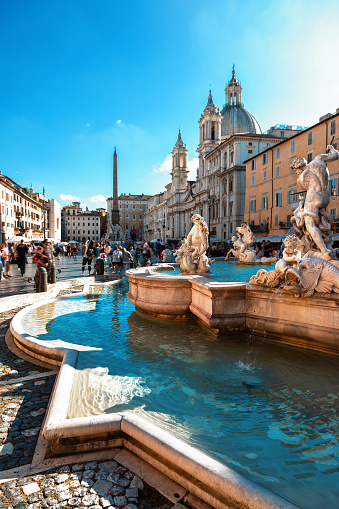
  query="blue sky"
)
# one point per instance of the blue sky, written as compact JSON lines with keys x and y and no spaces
{"x":80,"y":77}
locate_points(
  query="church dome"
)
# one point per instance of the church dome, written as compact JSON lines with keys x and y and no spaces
{"x":235,"y":118}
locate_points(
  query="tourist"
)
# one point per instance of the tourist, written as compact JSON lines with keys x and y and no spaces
{"x":127,"y":258}
{"x":57,"y":251}
{"x":150,"y":249}
{"x":156,"y":248}
{"x":88,"y":257}
{"x":107,"y":251}
{"x":116,"y":259}
{"x":21,"y":253}
{"x":5,"y":255}
{"x":268,"y":249}
{"x":48,"y":251}
{"x":166,"y":254}
{"x":133,"y":255}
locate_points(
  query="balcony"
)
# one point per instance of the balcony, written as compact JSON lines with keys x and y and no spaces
{"x":259,"y":227}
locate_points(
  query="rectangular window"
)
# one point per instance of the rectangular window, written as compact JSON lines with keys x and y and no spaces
{"x":252,"y":205}
{"x":126,"y":205}
{"x":133,"y":207}
{"x":127,"y":215}
{"x":140,"y":216}
{"x":264,"y":158}
{"x":333,"y":130}
{"x":310,"y":138}
{"x":277,"y":199}
{"x":277,"y":154}
{"x":333,"y":185}
{"x":333,"y":213}
{"x":264,"y":202}
{"x":140,"y":207}
{"x":292,"y":196}
{"x":264,"y":176}
{"x":276,"y":220}
{"x":309,"y":157}
{"x":253,"y":180}
{"x":250,"y":152}
{"x":253,"y":164}
{"x":277,"y":171}
{"x":133,"y":216}
{"x":292,"y":146}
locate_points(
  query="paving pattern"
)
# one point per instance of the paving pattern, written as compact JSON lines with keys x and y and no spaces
{"x":92,"y":485}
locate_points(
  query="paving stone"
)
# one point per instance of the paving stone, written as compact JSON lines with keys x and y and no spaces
{"x":116,"y":490}
{"x":88,"y":474}
{"x":50,"y":491}
{"x":46,"y":483}
{"x":136,"y":482}
{"x":90,"y":465}
{"x":18,"y":500}
{"x":61,"y":478}
{"x":35,"y":413}
{"x":64,"y":495}
{"x":113,"y":477}
{"x":80,"y":492}
{"x":77,"y":467}
{"x":12,"y":492}
{"x":132,"y":493}
{"x":31,"y":432}
{"x":124,"y":482}
{"x":75,"y":501}
{"x":89,"y":500}
{"x":28,"y":489}
{"x":120,"y":501}
{"x":34,"y":497}
{"x":106,"y":501}
{"x":102,"y":487}
{"x":108,"y":465}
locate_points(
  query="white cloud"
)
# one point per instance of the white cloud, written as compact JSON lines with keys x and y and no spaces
{"x":87,"y":125}
{"x":68,"y":197}
{"x":166,"y":166}
{"x":118,"y":122}
{"x":99,"y":198}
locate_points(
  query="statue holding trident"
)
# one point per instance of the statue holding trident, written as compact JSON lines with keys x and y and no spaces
{"x":194,"y":259}
{"x":313,"y":223}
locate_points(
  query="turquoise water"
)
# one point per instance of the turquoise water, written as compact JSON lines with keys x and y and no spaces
{"x":266,"y":410}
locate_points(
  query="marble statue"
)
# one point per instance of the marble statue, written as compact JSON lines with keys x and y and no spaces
{"x":193,"y":258}
{"x":242,"y":247}
{"x":308,"y":264}
{"x":312,"y":222}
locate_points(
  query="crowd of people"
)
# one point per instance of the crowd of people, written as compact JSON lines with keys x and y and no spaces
{"x":120,"y":256}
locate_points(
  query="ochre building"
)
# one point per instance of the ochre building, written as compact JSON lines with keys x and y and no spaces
{"x":271,"y":186}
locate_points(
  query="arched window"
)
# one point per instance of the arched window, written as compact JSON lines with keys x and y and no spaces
{"x":212,"y":133}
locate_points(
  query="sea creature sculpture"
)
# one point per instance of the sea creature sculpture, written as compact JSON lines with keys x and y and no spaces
{"x":313,"y":275}
{"x":242,"y":247}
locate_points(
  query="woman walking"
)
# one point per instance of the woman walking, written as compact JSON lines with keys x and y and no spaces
{"x":88,"y":257}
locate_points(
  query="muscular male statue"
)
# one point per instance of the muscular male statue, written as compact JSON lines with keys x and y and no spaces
{"x":313,"y":177}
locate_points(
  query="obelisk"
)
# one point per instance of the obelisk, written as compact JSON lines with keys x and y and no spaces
{"x":115,"y":208}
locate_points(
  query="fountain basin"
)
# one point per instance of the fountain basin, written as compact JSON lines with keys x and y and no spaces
{"x":310,"y":322}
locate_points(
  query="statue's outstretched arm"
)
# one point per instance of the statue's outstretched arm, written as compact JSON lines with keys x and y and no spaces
{"x":332,"y":155}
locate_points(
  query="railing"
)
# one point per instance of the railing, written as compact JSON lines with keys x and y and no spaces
{"x":284,"y":224}
{"x":259,"y":227}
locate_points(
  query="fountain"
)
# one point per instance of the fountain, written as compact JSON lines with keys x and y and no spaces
{"x":242,"y":247}
{"x":127,"y":419}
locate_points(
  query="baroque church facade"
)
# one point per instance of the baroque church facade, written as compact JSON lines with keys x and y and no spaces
{"x":227,"y":139}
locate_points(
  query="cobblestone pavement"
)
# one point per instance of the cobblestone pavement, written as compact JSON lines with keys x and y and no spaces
{"x":25,"y":390}
{"x":92,"y":485}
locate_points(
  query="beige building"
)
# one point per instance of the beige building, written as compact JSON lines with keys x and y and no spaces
{"x":271,"y":186}
{"x":26,"y":214}
{"x":131,"y":210}
{"x":80,"y":225}
{"x":226,"y":139}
